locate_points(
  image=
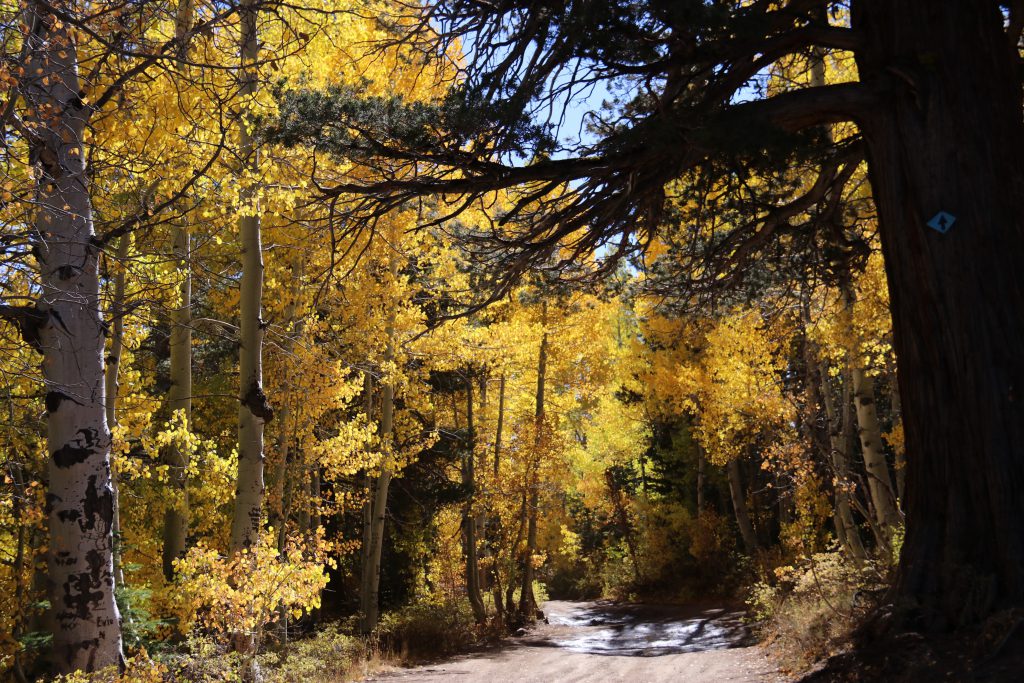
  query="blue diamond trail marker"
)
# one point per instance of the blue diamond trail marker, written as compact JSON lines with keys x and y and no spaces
{"x":942,"y":222}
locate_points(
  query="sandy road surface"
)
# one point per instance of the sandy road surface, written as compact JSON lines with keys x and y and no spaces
{"x":587,"y":641}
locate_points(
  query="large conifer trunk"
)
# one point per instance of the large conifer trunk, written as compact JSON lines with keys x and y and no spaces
{"x":950,"y":138}
{"x":80,"y":501}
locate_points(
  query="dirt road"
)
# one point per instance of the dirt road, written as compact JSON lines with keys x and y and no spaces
{"x":586,"y":641}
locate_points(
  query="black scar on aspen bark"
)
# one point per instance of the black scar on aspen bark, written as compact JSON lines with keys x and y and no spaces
{"x":69,"y":515}
{"x":67,"y":271}
{"x":78,"y":597}
{"x":53,"y":399}
{"x":97,"y":504}
{"x":73,"y":454}
{"x":90,"y":644}
{"x":256,"y":401}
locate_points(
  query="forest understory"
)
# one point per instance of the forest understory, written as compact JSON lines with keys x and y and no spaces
{"x":338,"y":337}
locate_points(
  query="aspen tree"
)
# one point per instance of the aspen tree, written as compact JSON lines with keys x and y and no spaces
{"x":117,"y":313}
{"x":67,"y":328}
{"x":369,"y":597}
{"x":869,"y":431}
{"x":179,"y":398}
{"x":253,"y":409}
{"x":527,"y":601}
{"x":469,"y":520}
{"x":279,"y":509}
{"x":846,"y":529}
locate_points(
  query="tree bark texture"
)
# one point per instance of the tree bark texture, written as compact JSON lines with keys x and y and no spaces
{"x":846,"y":528}
{"x":949,"y":136}
{"x":368,"y":484}
{"x":66,"y":327}
{"x":279,"y":508}
{"x":113,"y":386}
{"x":253,"y":409}
{"x":883,"y":498}
{"x":527,"y":601}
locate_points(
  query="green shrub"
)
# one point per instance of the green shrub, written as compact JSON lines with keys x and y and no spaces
{"x":428,"y":629}
{"x":327,"y":655}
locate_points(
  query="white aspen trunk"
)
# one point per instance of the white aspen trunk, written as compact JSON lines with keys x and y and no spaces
{"x":482,"y":521}
{"x":117,"y":310}
{"x":527,"y":601}
{"x":370,"y":592}
{"x":499,"y":426}
{"x":499,"y":606}
{"x":179,"y":396}
{"x":66,"y":327}
{"x":879,"y":481}
{"x":883,"y":500}
{"x":468,"y":519}
{"x":279,"y":509}
{"x":253,"y":409}
{"x":368,"y":485}
{"x":846,"y":529}
{"x":179,"y":400}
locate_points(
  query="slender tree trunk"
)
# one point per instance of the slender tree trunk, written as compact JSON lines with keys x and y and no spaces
{"x":527,"y":601}
{"x":368,"y":482}
{"x":498,"y":427}
{"x":113,"y":368}
{"x":850,"y":535}
{"x":510,"y":588}
{"x":175,"y":531}
{"x":883,"y":500}
{"x":253,"y":409}
{"x":846,"y":529}
{"x":948,"y":136}
{"x":622,"y":514}
{"x":17,"y":475}
{"x":279,"y":509}
{"x":179,"y":400}
{"x":495,"y":572}
{"x":468,"y":518}
{"x":370,"y":592}
{"x":482,"y":520}
{"x":739,"y":505}
{"x":879,"y":481}
{"x":700,"y":480}
{"x":67,"y":328}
